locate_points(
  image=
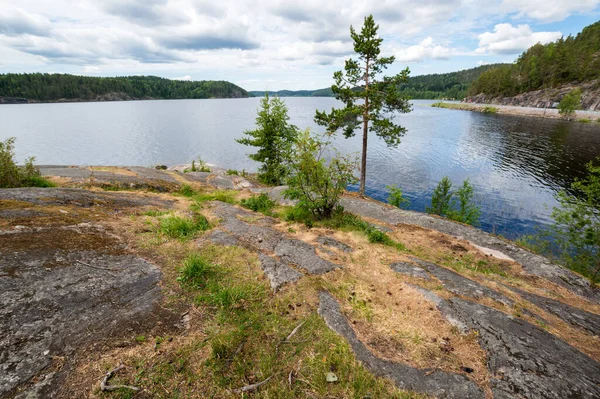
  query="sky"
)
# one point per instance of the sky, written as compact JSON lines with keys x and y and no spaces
{"x":270,"y":44}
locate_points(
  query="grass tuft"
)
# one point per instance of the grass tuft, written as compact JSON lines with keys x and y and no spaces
{"x":260,"y":203}
{"x":178,"y":227}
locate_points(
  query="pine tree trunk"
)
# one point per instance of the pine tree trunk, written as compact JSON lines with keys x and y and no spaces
{"x":363,"y":164}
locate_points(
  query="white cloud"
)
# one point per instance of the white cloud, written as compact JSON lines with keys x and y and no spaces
{"x":186,"y":77}
{"x":425,"y":49}
{"x":548,"y":10}
{"x":508,"y":39}
{"x":481,"y":62}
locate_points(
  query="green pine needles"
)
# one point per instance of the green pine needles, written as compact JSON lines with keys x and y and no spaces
{"x":274,"y":137}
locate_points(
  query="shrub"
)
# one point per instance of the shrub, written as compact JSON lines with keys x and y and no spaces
{"x":444,"y":202}
{"x":570,"y":103}
{"x":396,"y":198}
{"x":259,"y":203}
{"x":186,"y":191}
{"x":231,"y":172}
{"x":489,"y":110}
{"x":585,"y":120}
{"x":467,"y":212}
{"x":578,"y":218}
{"x":12,"y":175}
{"x":318,"y":185}
{"x":440,"y":200}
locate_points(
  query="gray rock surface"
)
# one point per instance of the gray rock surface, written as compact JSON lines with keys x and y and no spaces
{"x":279,"y":273}
{"x":526,"y":361}
{"x":460,"y":285}
{"x":145,"y":178}
{"x":80,"y":198}
{"x":262,"y":238}
{"x":410,"y":269}
{"x":332,"y":242}
{"x":575,"y":316}
{"x":532,"y":263}
{"x":52,"y":303}
{"x":437,"y":383}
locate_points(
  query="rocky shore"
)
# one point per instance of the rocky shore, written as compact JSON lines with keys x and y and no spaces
{"x":90,"y":280}
{"x":545,"y":98}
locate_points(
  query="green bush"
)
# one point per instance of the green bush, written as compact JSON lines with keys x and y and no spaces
{"x":440,"y":200}
{"x":318,"y":185}
{"x":444,"y":202}
{"x":489,"y":110}
{"x":259,"y":203}
{"x":232,"y":172}
{"x":186,"y":190}
{"x":585,"y":120}
{"x":396,"y":198}
{"x":12,"y":175}
{"x":570,"y":103}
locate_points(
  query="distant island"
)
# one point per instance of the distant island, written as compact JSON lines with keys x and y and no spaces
{"x":43,"y":87}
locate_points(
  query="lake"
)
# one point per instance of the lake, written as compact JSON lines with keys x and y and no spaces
{"x":516,"y":164}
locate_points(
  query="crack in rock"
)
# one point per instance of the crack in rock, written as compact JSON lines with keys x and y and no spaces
{"x":439,"y":383}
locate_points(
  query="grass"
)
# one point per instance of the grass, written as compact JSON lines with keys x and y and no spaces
{"x":259,"y":203}
{"x":178,"y":227}
{"x":489,"y":110}
{"x":585,"y":120}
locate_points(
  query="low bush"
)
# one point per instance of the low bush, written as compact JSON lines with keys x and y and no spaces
{"x":489,"y":110}
{"x":12,"y":175}
{"x":396,"y":198}
{"x":259,"y":203}
{"x":444,"y":202}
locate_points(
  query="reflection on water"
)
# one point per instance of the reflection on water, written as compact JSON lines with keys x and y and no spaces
{"x":516,"y":164}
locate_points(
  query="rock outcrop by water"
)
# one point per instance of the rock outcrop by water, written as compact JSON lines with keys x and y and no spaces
{"x":547,"y":98}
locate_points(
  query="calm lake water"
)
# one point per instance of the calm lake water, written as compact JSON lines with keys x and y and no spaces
{"x":516,"y":164}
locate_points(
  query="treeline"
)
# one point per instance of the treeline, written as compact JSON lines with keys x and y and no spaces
{"x":434,"y":86}
{"x":53,"y":87}
{"x":443,"y":85}
{"x":296,"y":93}
{"x":574,"y":59}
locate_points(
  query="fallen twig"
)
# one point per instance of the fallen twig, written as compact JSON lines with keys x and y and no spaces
{"x":252,"y":387}
{"x":104,"y":387}
{"x":294,"y":331}
{"x":96,"y":267}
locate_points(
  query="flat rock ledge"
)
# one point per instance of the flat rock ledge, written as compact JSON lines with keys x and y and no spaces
{"x":437,"y":383}
{"x":284,"y":260}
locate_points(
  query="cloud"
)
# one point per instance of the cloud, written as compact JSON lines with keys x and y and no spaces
{"x":185,"y":78}
{"x":146,"y":12}
{"x":548,"y":11}
{"x":209,"y":41}
{"x":15,"y":22}
{"x":424,"y":50}
{"x":508,"y":39}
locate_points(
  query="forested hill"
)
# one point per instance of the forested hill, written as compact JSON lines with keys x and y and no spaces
{"x":443,"y":85}
{"x":571,"y":60}
{"x":62,"y":87}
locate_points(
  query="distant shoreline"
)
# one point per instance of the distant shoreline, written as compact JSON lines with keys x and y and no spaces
{"x":13,"y":101}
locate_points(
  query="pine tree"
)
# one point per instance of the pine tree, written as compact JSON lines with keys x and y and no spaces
{"x":368,"y":102}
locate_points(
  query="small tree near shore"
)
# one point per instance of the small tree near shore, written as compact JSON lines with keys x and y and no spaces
{"x":368,"y":102}
{"x":274,"y":136}
{"x":570,"y":103}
